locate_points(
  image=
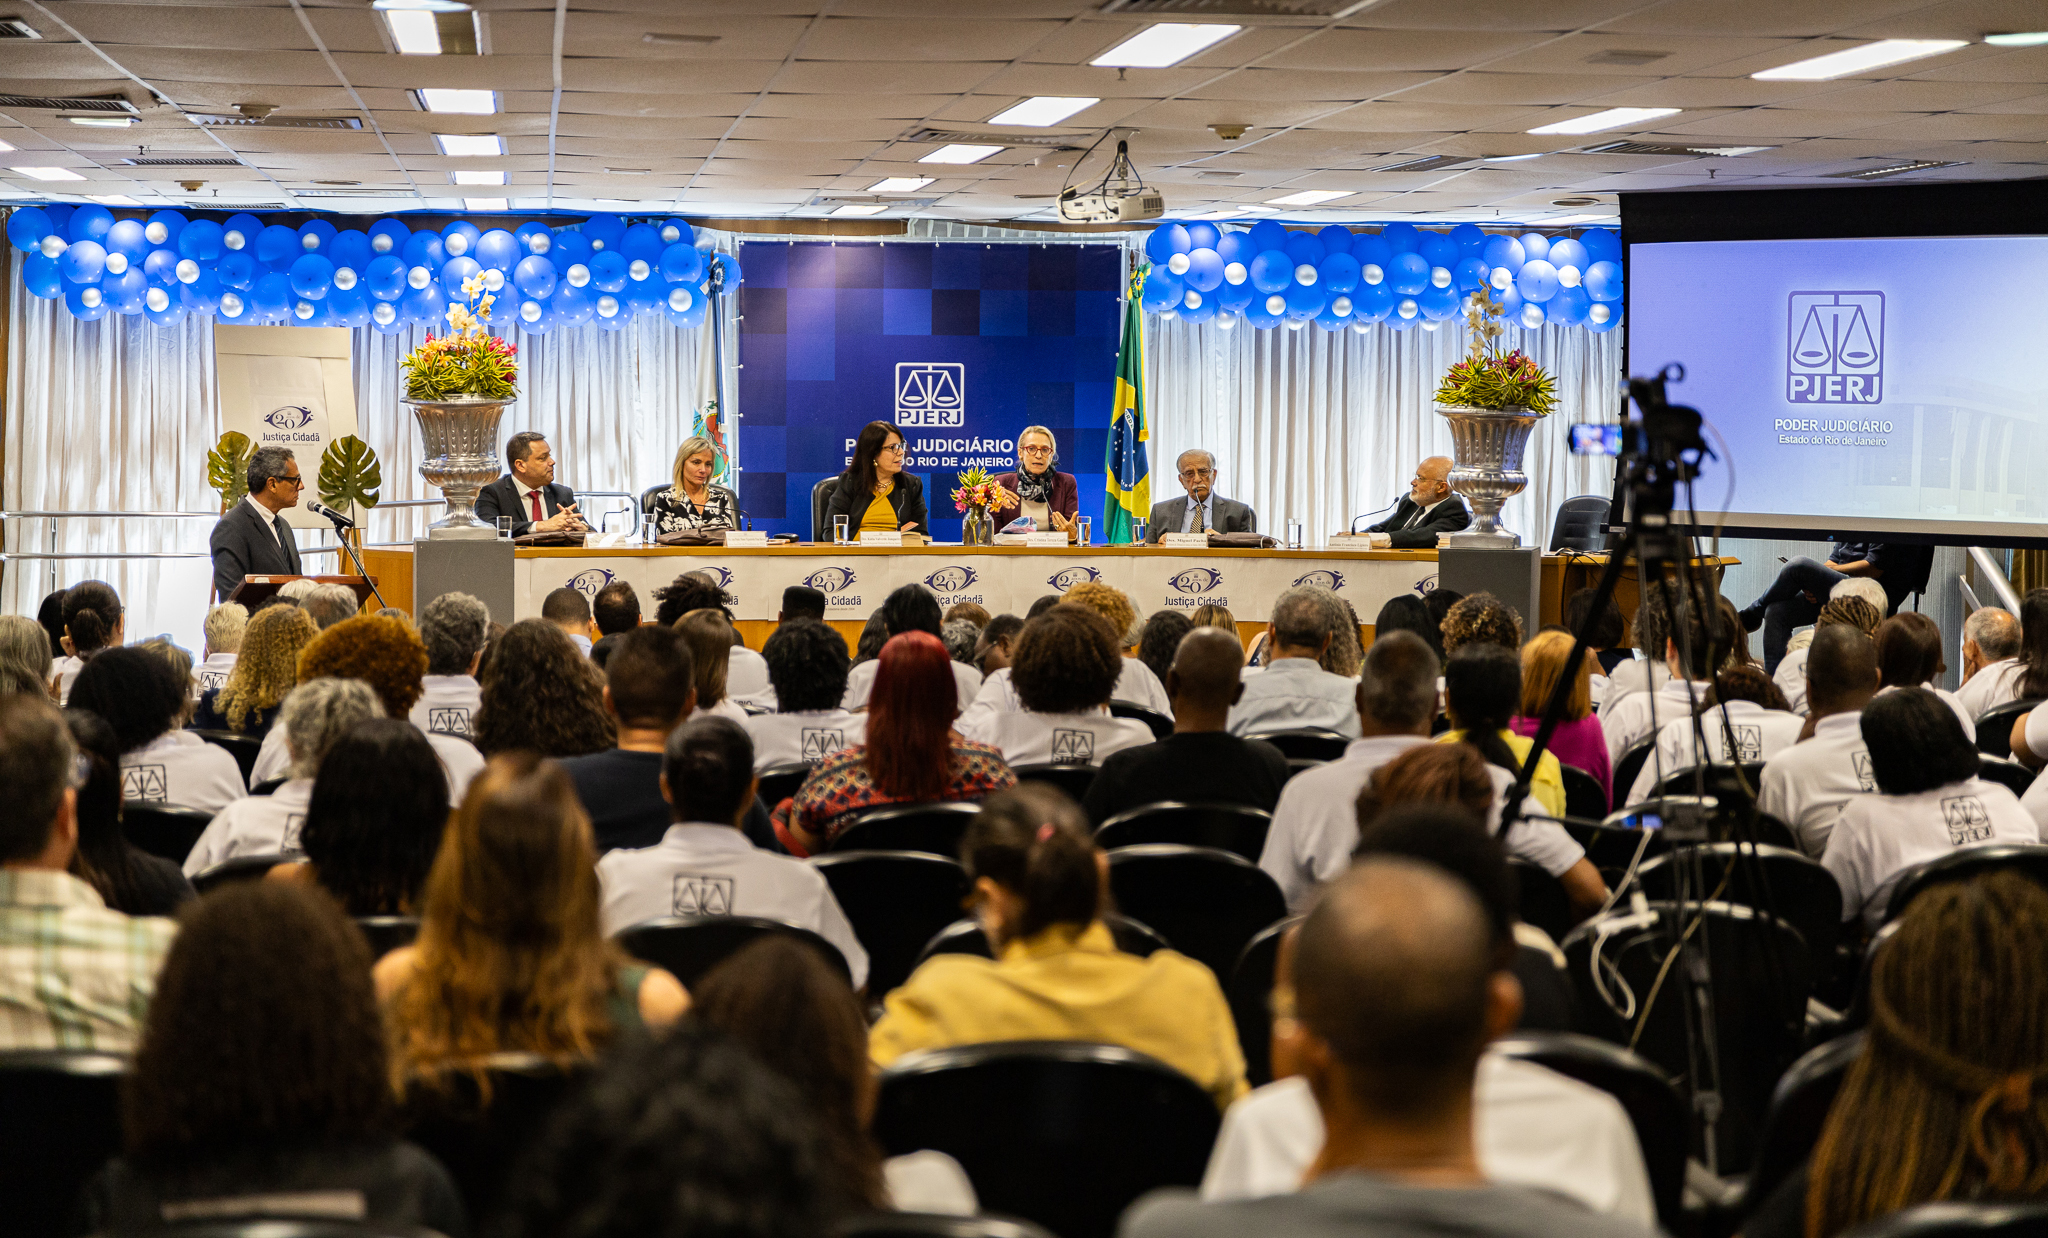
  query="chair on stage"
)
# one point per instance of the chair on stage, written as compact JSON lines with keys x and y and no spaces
{"x":896,"y":901}
{"x":934,"y":828}
{"x":821,"y":497}
{"x":1578,"y":525}
{"x":688,"y":947}
{"x":167,"y":830}
{"x":62,"y":1122}
{"x":1226,"y":827}
{"x":649,"y":495}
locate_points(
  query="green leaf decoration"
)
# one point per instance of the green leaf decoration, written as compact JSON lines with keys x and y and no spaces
{"x":349,"y":474}
{"x":227,"y":467}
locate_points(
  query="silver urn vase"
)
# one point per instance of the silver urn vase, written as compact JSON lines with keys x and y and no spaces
{"x":460,"y":436}
{"x":1487,"y":446}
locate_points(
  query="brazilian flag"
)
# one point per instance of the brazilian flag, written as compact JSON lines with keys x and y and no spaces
{"x":1129,"y":483}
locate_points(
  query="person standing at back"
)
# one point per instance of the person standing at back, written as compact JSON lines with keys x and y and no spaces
{"x":1294,"y":690}
{"x":454,"y":628}
{"x":252,"y":538}
{"x":528,"y":494}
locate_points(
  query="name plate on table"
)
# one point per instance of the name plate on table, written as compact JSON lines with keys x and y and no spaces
{"x":735,"y":538}
{"x":1054,"y":538}
{"x":1349,"y":541}
{"x":1185,"y":541}
{"x":881,"y":539}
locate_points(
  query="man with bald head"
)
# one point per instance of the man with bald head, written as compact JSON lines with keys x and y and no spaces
{"x":1395,"y":995}
{"x":1200,"y":762}
{"x":1201,"y":510}
{"x":1805,"y":785}
{"x":1428,"y":509}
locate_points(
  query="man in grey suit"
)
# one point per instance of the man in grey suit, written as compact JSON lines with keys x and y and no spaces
{"x":1202,"y":510}
{"x":252,"y":538}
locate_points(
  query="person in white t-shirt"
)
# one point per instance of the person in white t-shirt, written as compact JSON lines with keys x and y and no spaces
{"x":314,"y":718}
{"x":93,"y":620}
{"x":1930,"y":803}
{"x":704,"y":865}
{"x":708,"y":633}
{"x":1805,"y":785}
{"x":1743,"y":719}
{"x":1791,"y":673}
{"x":909,"y":608}
{"x":1066,"y":666}
{"x":143,"y":698}
{"x":225,"y":625}
{"x":807,"y":671}
{"x":454,"y":628}
{"x":1992,"y":643}
{"x":1909,"y":656}
{"x":1692,"y":646}
{"x":1135,"y":681}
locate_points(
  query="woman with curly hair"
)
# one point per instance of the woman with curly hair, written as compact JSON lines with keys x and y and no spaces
{"x":541,"y":695}
{"x":1065,"y":671}
{"x":1745,"y":720}
{"x":261,"y":1075}
{"x":265,"y":672}
{"x":1481,"y":617}
{"x":1136,"y":682}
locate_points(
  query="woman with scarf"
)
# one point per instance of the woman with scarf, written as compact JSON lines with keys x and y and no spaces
{"x":1050,"y":498}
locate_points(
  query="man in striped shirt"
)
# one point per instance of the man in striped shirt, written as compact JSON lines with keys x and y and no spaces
{"x":73,"y":974}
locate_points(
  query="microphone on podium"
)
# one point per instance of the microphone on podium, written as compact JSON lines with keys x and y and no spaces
{"x":321,"y":509}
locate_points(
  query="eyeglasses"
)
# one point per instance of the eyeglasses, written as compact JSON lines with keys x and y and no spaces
{"x":1036,"y":451}
{"x":1197,"y":474}
{"x":893,"y":449}
{"x":296,"y":483}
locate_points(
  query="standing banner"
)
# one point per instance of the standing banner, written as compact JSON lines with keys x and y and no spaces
{"x":960,"y":344}
{"x":288,"y":387}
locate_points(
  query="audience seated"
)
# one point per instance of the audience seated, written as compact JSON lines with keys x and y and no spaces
{"x":510,"y":958}
{"x":50,"y":618}
{"x":93,"y":620}
{"x":909,"y":608}
{"x":1040,"y":887}
{"x":1429,"y":774}
{"x":261,"y":1087}
{"x":1294,"y":690}
{"x":453,"y":627}
{"x":1531,"y":1126}
{"x":960,"y":636}
{"x":704,"y":865}
{"x":1066,"y":670}
{"x":1909,"y":656}
{"x":650,"y":691}
{"x":540,"y":695}
{"x":807,"y":668}
{"x":330,"y":604}
{"x":1688,"y":643}
{"x":973,"y":612}
{"x":374,"y":823}
{"x":74,"y":974}
{"x":873,"y":635}
{"x":25,"y":658}
{"x":1207,"y":615}
{"x":1930,"y":802}
{"x":1806,"y":785}
{"x":616,"y":611}
{"x":1850,"y":602}
{"x":128,"y":879}
{"x":687,"y":592}
{"x":1605,"y":634}
{"x":802,"y":602}
{"x":1135,"y":681}
{"x":995,"y":648}
{"x":179,"y":659}
{"x":143,"y":699}
{"x":709,"y":635}
{"x":1943,"y":1103}
{"x":316,"y":716}
{"x":1200,"y":763}
{"x":1397,"y":990}
{"x":569,"y":610}
{"x":1578,"y":740}
{"x":1481,"y":619}
{"x":1742,"y":719}
{"x":1160,"y":641}
{"x":910,"y":721}
{"x":225,"y":626}
{"x":1406,"y":612}
{"x":265,"y":672}
{"x":1992,"y":643}
{"x":1482,"y":692}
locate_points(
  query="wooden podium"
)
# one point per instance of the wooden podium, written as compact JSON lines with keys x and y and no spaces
{"x":256,"y":590}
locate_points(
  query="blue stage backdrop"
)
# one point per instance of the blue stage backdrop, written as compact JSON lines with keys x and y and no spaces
{"x":961,"y":344}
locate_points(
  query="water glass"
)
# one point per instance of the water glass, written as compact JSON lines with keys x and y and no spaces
{"x":839,"y":524}
{"x":505,"y":526}
{"x":1084,"y":527}
{"x":1139,"y":528}
{"x":1293,"y":533}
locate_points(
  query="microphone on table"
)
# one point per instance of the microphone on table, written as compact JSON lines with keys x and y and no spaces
{"x":321,"y":509}
{"x":1354,"y":522}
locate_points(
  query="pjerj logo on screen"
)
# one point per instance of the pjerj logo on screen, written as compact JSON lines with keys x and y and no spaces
{"x":589,"y":582}
{"x":1835,"y":353}
{"x":931,"y":393}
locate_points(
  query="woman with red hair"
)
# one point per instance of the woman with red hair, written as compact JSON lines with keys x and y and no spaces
{"x":910,"y":723}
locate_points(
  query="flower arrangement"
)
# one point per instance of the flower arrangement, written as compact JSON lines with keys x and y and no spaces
{"x":468,"y":362}
{"x":1490,"y":379}
{"x":979,"y":490}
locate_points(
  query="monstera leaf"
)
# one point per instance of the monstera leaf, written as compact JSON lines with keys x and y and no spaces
{"x":227,"y":467}
{"x":349,"y":474}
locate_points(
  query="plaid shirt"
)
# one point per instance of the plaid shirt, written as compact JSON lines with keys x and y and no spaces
{"x":840,"y":785}
{"x":73,"y":974}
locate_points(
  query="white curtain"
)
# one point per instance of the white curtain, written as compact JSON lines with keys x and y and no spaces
{"x":1321,"y":426}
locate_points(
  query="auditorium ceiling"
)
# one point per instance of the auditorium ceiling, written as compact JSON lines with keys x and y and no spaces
{"x":781,"y":108}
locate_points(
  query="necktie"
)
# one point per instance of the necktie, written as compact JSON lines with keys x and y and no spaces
{"x":1201,"y":517}
{"x":534,"y":497}
{"x":1414,"y":518}
{"x":284,"y":538}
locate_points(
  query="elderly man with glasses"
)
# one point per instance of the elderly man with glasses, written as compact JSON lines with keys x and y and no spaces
{"x":1429,"y":508}
{"x":252,"y":539}
{"x":1202,"y":510}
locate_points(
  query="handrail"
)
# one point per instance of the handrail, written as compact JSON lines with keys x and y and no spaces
{"x":2008,"y":596}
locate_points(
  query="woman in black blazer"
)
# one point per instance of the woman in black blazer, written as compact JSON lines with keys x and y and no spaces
{"x":878,"y":462}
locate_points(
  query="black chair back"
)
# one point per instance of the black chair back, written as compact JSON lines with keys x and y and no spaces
{"x":933,"y":828}
{"x":896,"y":901}
{"x":1297,"y":764}
{"x":649,"y":495}
{"x":1226,"y":827}
{"x":1960,"y":1221}
{"x":821,"y":496}
{"x":242,"y":747}
{"x":2030,"y":860}
{"x":779,"y":782}
{"x":1583,"y":794}
{"x":1994,"y":729}
{"x":62,"y":1121}
{"x":2006,"y":772}
{"x":1162,"y":726}
{"x":388,"y":933}
{"x":1105,"y":1123}
{"x":1655,"y":1108}
{"x":1725,"y":782}
{"x":1799,"y":1106}
{"x":240,"y":868}
{"x":1629,"y":766}
{"x":1208,"y":903}
{"x":966,"y":937}
{"x":480,"y":1131}
{"x":1774,"y":879}
{"x":1073,"y":779}
{"x":1311,"y":742}
{"x":1543,"y":901}
{"x":1547,"y":1001}
{"x":1578,"y":525}
{"x":934,"y":1225}
{"x":1250,"y":990}
{"x":1612,"y":848}
{"x":166,"y":830}
{"x":688,"y":947}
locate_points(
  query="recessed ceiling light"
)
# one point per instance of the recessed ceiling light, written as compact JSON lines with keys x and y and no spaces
{"x":1612,"y":118}
{"x":1042,"y":110}
{"x":661,"y":37}
{"x":1859,"y":59}
{"x":414,"y":31}
{"x":1310,"y":197}
{"x":114,"y":199}
{"x":477,"y":178}
{"x":2018,"y":38}
{"x":1606,"y":218}
{"x":470,"y":144}
{"x":899,"y":184}
{"x":7,"y":146}
{"x":458,"y":102}
{"x":630,"y":171}
{"x":1162,"y":44}
{"x":486,"y":204}
{"x":855,"y":209}
{"x":1231,"y":212}
{"x":99,"y":120}
{"x":960,"y":152}
{"x":49,"y":174}
{"x":1510,"y":158}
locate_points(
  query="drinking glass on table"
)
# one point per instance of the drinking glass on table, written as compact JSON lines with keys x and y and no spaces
{"x":1139,"y":528}
{"x":1293,"y":533}
{"x":839,"y":524}
{"x":505,"y":526}
{"x":1083,"y":528}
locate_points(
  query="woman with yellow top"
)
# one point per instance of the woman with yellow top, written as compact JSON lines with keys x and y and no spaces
{"x":874,"y":491}
{"x":1039,"y":889}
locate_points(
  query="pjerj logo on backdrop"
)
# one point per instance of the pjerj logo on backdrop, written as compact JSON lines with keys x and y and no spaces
{"x":951,"y":579}
{"x":1836,"y":349}
{"x":931,"y":393}
{"x":830,"y":580}
{"x":290,"y":417}
{"x":589,"y":582}
{"x":1322,"y":578}
{"x":1067,"y":577}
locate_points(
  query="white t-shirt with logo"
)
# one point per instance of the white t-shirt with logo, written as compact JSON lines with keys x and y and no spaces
{"x":1025,"y":737}
{"x":181,"y":769}
{"x":212,"y":674}
{"x":746,"y":677}
{"x":860,"y":682}
{"x":808,"y":735}
{"x":1806,"y":785}
{"x":1878,"y":837}
{"x":1991,"y":686}
{"x":460,"y":760}
{"x":447,"y":703}
{"x":1760,"y":734}
{"x":1629,"y":678}
{"x":254,"y":825}
{"x":1135,"y":683}
{"x":1637,"y":714}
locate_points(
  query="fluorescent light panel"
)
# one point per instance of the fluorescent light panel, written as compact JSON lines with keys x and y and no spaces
{"x":1861,"y":59}
{"x":2018,"y":38}
{"x":1162,"y":44}
{"x":414,"y":31}
{"x":899,"y":184}
{"x":478,"y":178}
{"x":1511,"y":158}
{"x":1042,"y":110}
{"x":7,"y":145}
{"x":49,"y":174}
{"x":1311,"y":197}
{"x":102,"y":122}
{"x":1612,"y":118}
{"x":856,"y":209}
{"x":114,"y":199}
{"x":470,"y":144}
{"x":458,"y":102}
{"x":486,"y":204}
{"x":960,"y":152}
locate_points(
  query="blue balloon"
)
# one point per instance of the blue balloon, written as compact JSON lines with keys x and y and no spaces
{"x":315,"y":235}
{"x":682,"y":263}
{"x":170,"y":314}
{"x":459,"y":238}
{"x":1205,"y":270}
{"x":1535,"y":245}
{"x":348,"y":307}
{"x":1267,"y":234}
{"x":1537,"y":280}
{"x":1397,"y":323}
{"x":1405,"y":238}
{"x":161,"y":266}
{"x":532,"y":315}
{"x":312,"y":276}
{"x":1470,"y":274}
{"x":1603,"y":281}
{"x":570,"y":247}
{"x":425,"y":249}
{"x":350,"y":248}
{"x":1306,"y":300}
{"x":1503,"y":251}
{"x":1468,"y":238}
{"x":27,"y":227}
{"x":388,"y":236}
{"x":608,"y":271}
{"x":384,"y":278}
{"x":691,"y":318}
{"x":1203,"y":235}
{"x":1236,"y":247}
{"x":454,"y":272}
{"x":426,"y":305}
{"x":612,"y":313}
{"x":1336,"y":239}
{"x":646,"y":293}
{"x":126,"y":290}
{"x":85,"y":301}
{"x":1272,"y":271}
{"x":676,"y":230}
{"x":604,"y":232}
{"x":1510,"y":303}
{"x":1438,"y":304}
{"x":1566,"y":252}
{"x":1162,"y":290}
{"x":535,"y":276}
{"x":277,"y":246}
{"x":1568,"y":308}
{"x":83,"y":263}
{"x":1237,"y":296}
{"x":201,"y":241}
{"x":1438,"y":250}
{"x":534,"y":237}
{"x":202,"y":295}
{"x":1166,"y":241}
{"x":238,"y":271}
{"x":642,"y":241}
{"x":272,"y":294}
{"x":1372,"y":303}
{"x":125,"y":238}
{"x":1199,"y":313}
{"x":498,"y":249}
{"x":1601,"y":245}
{"x":573,"y":307}
{"x":1304,"y":249}
{"x":89,"y":223}
{"x":1339,"y":273}
{"x":1408,"y":273}
{"x":1372,"y":248}
{"x":39,"y":274}
{"x":1330,"y":319}
{"x":240,"y":231}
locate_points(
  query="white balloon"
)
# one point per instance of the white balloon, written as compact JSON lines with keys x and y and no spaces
{"x":578,"y":275}
{"x":90,"y":296}
{"x":637,"y":269}
{"x":156,"y":232}
{"x":1569,"y":277}
{"x":1502,"y":279}
{"x":679,"y":299}
{"x":456,"y":245}
{"x":1360,"y":325}
{"x":54,"y":245}
{"x":344,"y":278}
{"x":541,"y":242}
{"x":607,"y":306}
{"x":117,"y":263}
{"x":494,"y":279}
{"x":1178,"y":264}
{"x":188,"y":271}
{"x":1440,"y":277}
{"x":530,"y":311}
{"x":304,"y":309}
{"x":1306,"y":274}
{"x":382,"y":243}
{"x":157,"y":299}
{"x":1371,"y":273}
{"x":670,"y":234}
{"x":1341,"y":306}
{"x":1407,"y":308}
{"x":231,"y":305}
{"x":1532,"y":316}
{"x":383,"y":313}
{"x":1276,"y":304}
{"x":1168,"y":314}
{"x":1431,"y":325}
{"x":419,"y":277}
{"x":1598,"y":312}
{"x":1225,"y":320}
{"x":234,"y":239}
{"x":1193,"y":299}
{"x":309,"y":241}
{"x":1296,"y":324}
{"x":1234,"y":273}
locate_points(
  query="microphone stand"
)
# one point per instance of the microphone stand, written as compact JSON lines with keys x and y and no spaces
{"x":1388,"y":507}
{"x":341,"y":531}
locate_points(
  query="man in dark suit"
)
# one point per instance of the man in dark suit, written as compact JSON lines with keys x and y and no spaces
{"x":1201,"y":510}
{"x":252,"y":539}
{"x":1429,"y":509}
{"x":529,"y":494}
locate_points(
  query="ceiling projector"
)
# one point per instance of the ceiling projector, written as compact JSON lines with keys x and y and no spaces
{"x":1119,"y":197}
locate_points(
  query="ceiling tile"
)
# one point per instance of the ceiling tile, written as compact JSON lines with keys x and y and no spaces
{"x":1403,"y":49}
{"x":937,"y":38}
{"x":880,"y":77}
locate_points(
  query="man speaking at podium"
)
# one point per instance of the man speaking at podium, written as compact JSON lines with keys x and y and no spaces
{"x":252,"y":539}
{"x":529,"y":494}
{"x":1429,"y":509}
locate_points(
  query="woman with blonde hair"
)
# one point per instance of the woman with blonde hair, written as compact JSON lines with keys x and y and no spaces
{"x":693,"y":504}
{"x":265,"y":673}
{"x":24,"y":657}
{"x":1578,"y":740}
{"x":510,"y":958}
